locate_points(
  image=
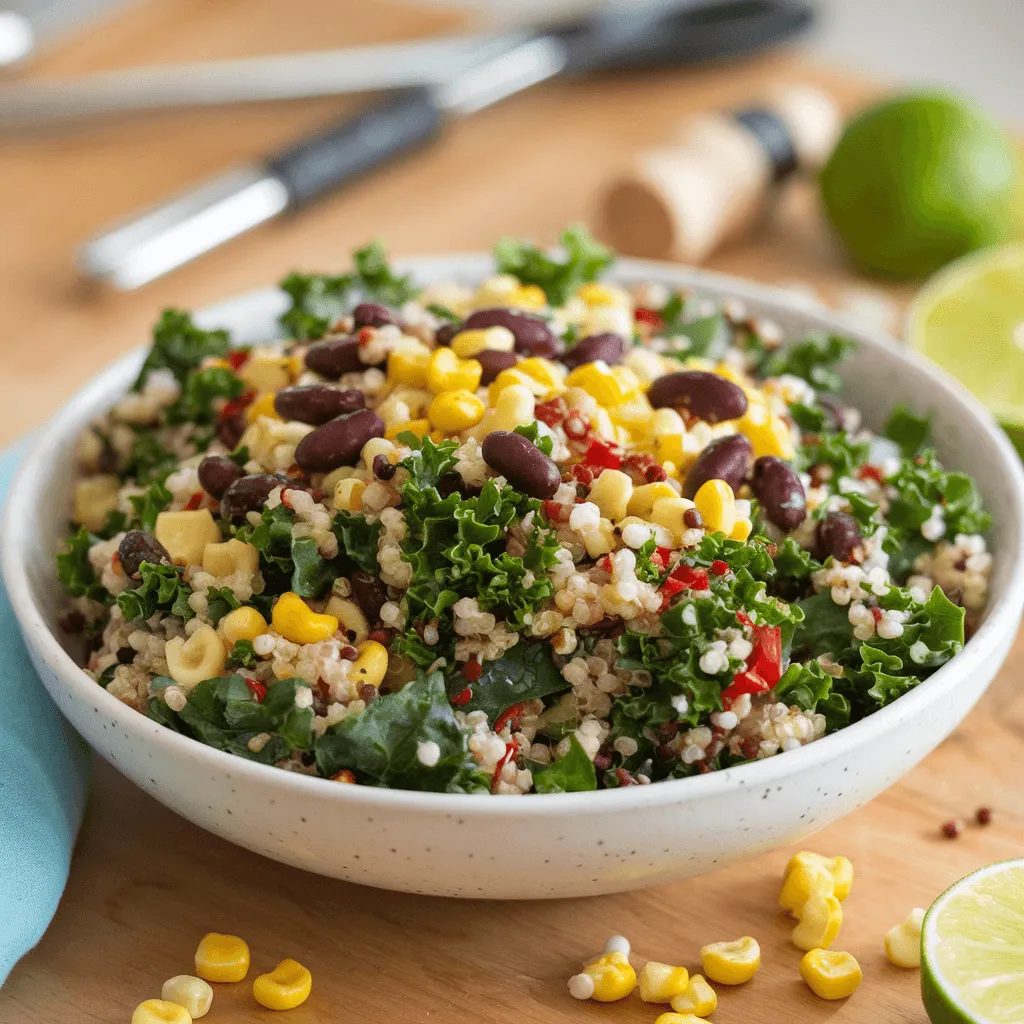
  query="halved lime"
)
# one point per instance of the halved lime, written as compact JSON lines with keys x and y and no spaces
{"x":972,"y":949}
{"x":969,"y":318}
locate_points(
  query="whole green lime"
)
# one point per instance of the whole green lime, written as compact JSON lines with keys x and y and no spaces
{"x":917,"y":181}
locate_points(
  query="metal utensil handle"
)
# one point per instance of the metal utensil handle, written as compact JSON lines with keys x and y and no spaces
{"x":358,"y":144}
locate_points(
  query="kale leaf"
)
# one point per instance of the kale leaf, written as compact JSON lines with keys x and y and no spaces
{"x":585,"y":259}
{"x":162,"y":589}
{"x":75,"y":571}
{"x":908,"y":430}
{"x":200,"y":390}
{"x":180,"y":346}
{"x":381,"y":745}
{"x":150,"y":504}
{"x":573,"y":773}
{"x":524,"y":672}
{"x":357,"y":539}
{"x":813,"y":360}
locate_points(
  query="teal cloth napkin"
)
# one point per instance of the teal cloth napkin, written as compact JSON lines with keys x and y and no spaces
{"x":44,"y":770}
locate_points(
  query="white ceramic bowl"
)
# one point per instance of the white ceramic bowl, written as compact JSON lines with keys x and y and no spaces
{"x":537,"y":846}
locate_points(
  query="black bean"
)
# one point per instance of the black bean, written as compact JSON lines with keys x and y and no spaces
{"x":522,"y":463}
{"x":493,"y":362}
{"x":533,"y":336}
{"x":230,"y":431}
{"x":780,"y":492}
{"x":693,"y":519}
{"x":368,"y":693}
{"x":837,"y":535}
{"x":317,"y":403}
{"x":339,"y":442}
{"x":382,"y":468}
{"x":726,"y":458}
{"x":249,"y":494}
{"x":369,"y":592}
{"x":372,"y":314}
{"x":125,"y":655}
{"x":609,"y":347}
{"x":334,"y":357}
{"x":707,"y":396}
{"x":137,"y":547}
{"x":444,"y":334}
{"x":217,"y":473}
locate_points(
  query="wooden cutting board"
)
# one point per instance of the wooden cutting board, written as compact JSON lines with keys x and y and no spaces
{"x":145,"y":884}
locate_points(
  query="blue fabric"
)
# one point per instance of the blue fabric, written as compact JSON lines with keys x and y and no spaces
{"x":44,"y":771}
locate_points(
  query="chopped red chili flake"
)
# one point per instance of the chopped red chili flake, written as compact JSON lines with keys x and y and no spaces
{"x":511,"y":749}
{"x":644,"y":315}
{"x":555,"y":512}
{"x":511,"y":714}
{"x":750,"y":747}
{"x":603,"y":455}
{"x":605,"y":564}
{"x":194,"y":502}
{"x":655,"y":474}
{"x":582,"y":474}
{"x":871,"y":473}
{"x":719,"y":568}
{"x":552,"y":413}
{"x":365,"y":335}
{"x":661,"y":556}
{"x":624,"y":777}
{"x":237,"y":405}
{"x":876,"y":614}
{"x":575,"y":427}
{"x":463,"y":697}
{"x":984,"y":815}
{"x":286,"y":498}
{"x":258,"y":690}
{"x":346,"y":775}
{"x":115,"y":562}
{"x":237,"y":358}
{"x":950,"y":829}
{"x":472,"y":669}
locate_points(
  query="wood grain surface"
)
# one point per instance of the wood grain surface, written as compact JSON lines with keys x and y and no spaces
{"x":145,"y":885}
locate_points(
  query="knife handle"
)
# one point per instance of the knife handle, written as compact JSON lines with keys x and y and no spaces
{"x":400,"y":123}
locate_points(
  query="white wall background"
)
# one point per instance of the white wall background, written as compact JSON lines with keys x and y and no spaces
{"x":972,"y":45}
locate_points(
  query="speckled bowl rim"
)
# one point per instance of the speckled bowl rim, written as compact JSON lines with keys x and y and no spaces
{"x":1002,"y":614}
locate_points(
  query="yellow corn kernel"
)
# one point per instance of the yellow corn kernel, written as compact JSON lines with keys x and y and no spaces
{"x":186,"y":534}
{"x":629,"y":383}
{"x":669,"y":448}
{"x":374,"y":447}
{"x":95,"y":496}
{"x":351,"y":620}
{"x":416,"y":400}
{"x":601,"y":424}
{"x":407,"y":364}
{"x":742,"y":530}
{"x":671,"y":1017}
{"x":660,"y":983}
{"x":297,"y":622}
{"x":643,"y":498}
{"x":830,"y":974}
{"x":514,"y":406}
{"x":285,"y":987}
{"x":667,"y":421}
{"x":454,"y":411}
{"x":545,"y":372}
{"x":159,"y":1011}
{"x":262,"y":406}
{"x":731,"y":373}
{"x":820,"y":921}
{"x":194,"y":660}
{"x":496,"y":290}
{"x":597,"y":294}
{"x":647,"y":365}
{"x":731,"y":963}
{"x":717,"y":506}
{"x":802,"y":881}
{"x":613,"y":977}
{"x":839,"y":868}
{"x":228,"y":557}
{"x":669,"y":512}
{"x":222,"y":958}
{"x":421,"y":428}
{"x":192,"y":993}
{"x":611,"y":492}
{"x":348,"y":494}
{"x":243,"y":623}
{"x":467,"y":344}
{"x":266,"y":370}
{"x":768,"y":434}
{"x":636,"y":415}
{"x":528,"y":296}
{"x":700,"y":998}
{"x":371,"y":665}
{"x":903,"y":941}
{"x":447,"y":372}
{"x":516,"y":377}
{"x":599,"y":382}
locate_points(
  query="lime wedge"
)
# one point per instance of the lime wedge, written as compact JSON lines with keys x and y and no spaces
{"x":972,"y":949}
{"x":969,"y":318}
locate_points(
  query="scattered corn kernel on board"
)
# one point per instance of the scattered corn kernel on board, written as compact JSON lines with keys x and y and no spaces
{"x":146,"y":886}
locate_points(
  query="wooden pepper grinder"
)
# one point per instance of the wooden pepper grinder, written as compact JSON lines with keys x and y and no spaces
{"x":683,"y":200}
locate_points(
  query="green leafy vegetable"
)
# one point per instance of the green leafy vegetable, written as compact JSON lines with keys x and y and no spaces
{"x":382,"y":744}
{"x":573,"y":773}
{"x":814,"y":360}
{"x":524,"y":672}
{"x":531,"y":431}
{"x":162,"y":589}
{"x":706,"y":337}
{"x":201,"y":389}
{"x":377,"y":281}
{"x":585,"y":259}
{"x":149,"y":459}
{"x":150,"y":504}
{"x":242,"y":655}
{"x":908,"y":430}
{"x":180,"y":346}
{"x":357,"y":539}
{"x":75,"y":571}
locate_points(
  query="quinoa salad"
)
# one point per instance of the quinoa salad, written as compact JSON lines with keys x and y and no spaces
{"x":542,"y":534}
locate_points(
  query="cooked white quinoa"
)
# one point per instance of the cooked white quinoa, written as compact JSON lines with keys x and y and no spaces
{"x":543,"y":534}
